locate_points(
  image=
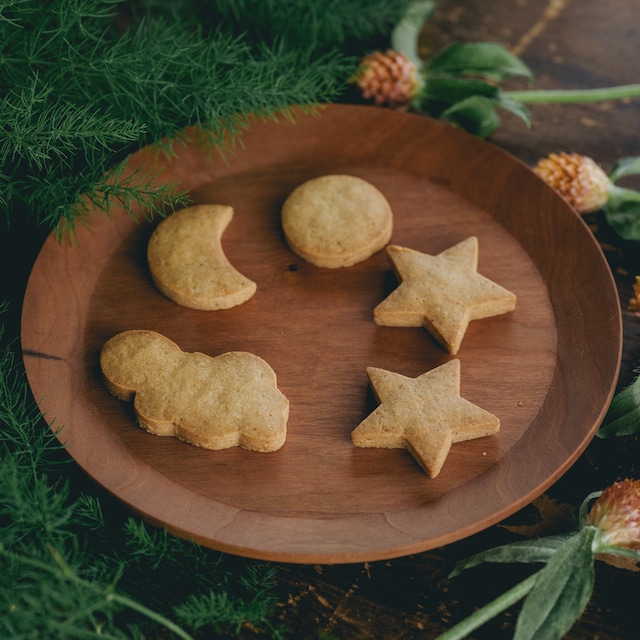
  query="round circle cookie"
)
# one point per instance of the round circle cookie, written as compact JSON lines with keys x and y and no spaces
{"x":336,"y":220}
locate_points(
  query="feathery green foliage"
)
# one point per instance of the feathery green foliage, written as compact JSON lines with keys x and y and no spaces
{"x":68,"y":570}
{"x":86,"y":82}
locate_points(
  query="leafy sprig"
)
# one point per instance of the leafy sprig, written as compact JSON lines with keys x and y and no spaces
{"x":461,"y":84}
{"x":70,"y":570}
{"x":84,"y":84}
{"x":556,"y":595}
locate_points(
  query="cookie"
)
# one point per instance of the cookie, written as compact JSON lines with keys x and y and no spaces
{"x":425,"y":415}
{"x":441,"y":293}
{"x":212,"y":402}
{"x":336,"y":220}
{"x":187,"y":262}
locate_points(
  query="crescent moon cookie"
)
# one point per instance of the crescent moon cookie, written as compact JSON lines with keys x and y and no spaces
{"x":425,"y":415}
{"x":187,"y":262}
{"x":336,"y":220}
{"x":442,"y":293}
{"x":211,"y":402}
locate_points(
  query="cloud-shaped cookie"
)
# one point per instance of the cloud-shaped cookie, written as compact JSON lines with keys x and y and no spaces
{"x":188,"y":264}
{"x":211,"y":402}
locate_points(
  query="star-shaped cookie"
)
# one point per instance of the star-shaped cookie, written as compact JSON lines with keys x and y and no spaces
{"x":442,"y":293}
{"x":425,"y":415}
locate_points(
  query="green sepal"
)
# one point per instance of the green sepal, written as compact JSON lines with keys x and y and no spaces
{"x":622,"y":552}
{"x":537,"y":550}
{"x":624,"y":426}
{"x":483,"y":59}
{"x":561,"y":591}
{"x":623,"y":416}
{"x":585,"y":507}
{"x":625,"y":167}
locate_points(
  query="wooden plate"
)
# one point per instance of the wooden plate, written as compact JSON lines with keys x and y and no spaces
{"x":548,"y":369}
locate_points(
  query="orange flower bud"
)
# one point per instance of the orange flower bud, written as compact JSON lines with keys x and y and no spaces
{"x":578,"y":179}
{"x":634,"y":303}
{"x":616,"y":515}
{"x":387,"y":78}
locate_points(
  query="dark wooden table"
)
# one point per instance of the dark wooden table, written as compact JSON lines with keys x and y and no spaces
{"x":568,"y":44}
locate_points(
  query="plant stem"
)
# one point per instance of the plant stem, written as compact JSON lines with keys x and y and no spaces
{"x":149,"y":613}
{"x":404,"y":37}
{"x":575,"y":95}
{"x":489,"y":611}
{"x":107,"y":592}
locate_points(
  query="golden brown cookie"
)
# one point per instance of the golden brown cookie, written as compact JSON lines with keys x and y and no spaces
{"x":336,"y":220}
{"x":425,"y":415}
{"x":187,"y":262}
{"x":441,"y":293}
{"x":211,"y":402}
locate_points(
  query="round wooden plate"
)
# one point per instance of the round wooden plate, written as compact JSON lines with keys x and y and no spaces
{"x":547,"y":370}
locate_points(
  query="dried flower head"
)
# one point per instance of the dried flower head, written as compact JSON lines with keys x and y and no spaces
{"x":634,"y":302}
{"x":387,"y":78}
{"x":578,"y":179}
{"x":616,"y":515}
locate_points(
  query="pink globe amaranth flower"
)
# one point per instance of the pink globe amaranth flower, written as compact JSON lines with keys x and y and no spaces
{"x":387,"y":78}
{"x":616,"y":516}
{"x":634,"y":302}
{"x":577,"y":178}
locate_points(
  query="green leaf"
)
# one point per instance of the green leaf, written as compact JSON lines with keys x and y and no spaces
{"x":561,"y":592}
{"x":622,"y":212}
{"x":476,"y":115}
{"x":626,"y":425}
{"x":452,"y":90}
{"x":537,"y":550}
{"x":468,"y":103}
{"x":484,"y":59}
{"x":623,"y":416}
{"x":625,"y":167}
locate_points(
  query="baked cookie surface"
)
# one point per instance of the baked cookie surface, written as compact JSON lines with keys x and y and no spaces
{"x":336,"y":220}
{"x":425,"y":415}
{"x":441,"y":293}
{"x":212,"y":402}
{"x":188,"y":264}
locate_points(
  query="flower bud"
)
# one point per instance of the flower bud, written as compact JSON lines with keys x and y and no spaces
{"x":616,"y":515}
{"x":387,"y":78}
{"x":578,"y":179}
{"x":634,"y":302}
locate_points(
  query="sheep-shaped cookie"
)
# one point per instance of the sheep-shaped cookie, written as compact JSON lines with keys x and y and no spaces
{"x":212,"y":402}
